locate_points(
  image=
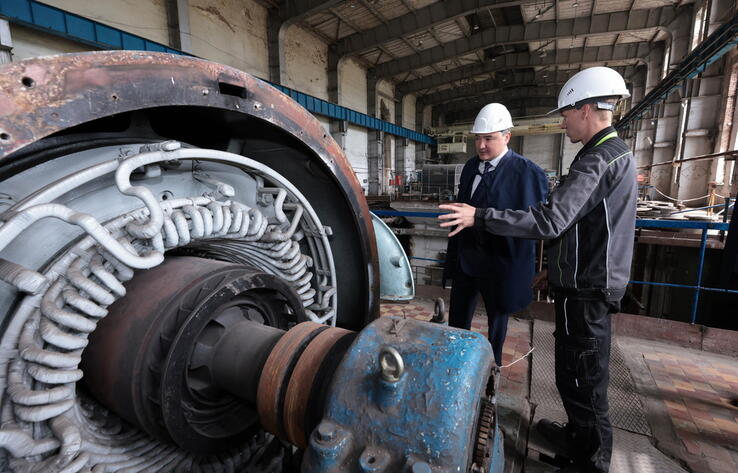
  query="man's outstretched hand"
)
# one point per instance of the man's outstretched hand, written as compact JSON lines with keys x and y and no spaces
{"x":460,"y":215}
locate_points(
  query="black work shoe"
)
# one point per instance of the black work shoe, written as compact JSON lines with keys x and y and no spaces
{"x":556,"y":434}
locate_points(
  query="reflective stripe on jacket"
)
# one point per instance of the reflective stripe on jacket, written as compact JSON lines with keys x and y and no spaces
{"x":589,"y":217}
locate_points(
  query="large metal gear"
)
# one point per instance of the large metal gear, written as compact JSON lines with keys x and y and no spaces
{"x":482,"y":456}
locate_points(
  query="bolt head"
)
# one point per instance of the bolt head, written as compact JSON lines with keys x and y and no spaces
{"x":325,"y":432}
{"x":391,"y":364}
{"x":421,"y":467}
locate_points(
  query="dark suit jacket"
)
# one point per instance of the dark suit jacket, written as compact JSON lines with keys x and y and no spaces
{"x":508,"y":263}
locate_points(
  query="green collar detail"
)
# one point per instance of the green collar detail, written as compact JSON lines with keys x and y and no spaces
{"x":606,"y":137}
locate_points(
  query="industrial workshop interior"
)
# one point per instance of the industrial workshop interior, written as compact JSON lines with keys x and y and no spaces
{"x":368,"y":236}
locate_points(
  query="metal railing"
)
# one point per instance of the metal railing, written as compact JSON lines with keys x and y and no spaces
{"x":428,"y":272}
{"x":697,"y":287}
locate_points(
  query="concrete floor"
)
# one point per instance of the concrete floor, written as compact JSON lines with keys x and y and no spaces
{"x":689,"y":399}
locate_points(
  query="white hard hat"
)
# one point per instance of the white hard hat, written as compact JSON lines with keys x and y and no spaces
{"x":591,"y":83}
{"x":492,"y":117}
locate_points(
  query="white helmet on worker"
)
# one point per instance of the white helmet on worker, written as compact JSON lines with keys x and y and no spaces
{"x":589,"y":85}
{"x":492,"y":117}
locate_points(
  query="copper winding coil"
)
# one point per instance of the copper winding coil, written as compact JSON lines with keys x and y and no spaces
{"x":277,"y":369}
{"x":301,"y":382}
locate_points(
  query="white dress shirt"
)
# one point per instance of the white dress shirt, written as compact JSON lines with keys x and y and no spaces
{"x":493,"y":164}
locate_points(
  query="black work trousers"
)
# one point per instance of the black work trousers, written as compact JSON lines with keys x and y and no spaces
{"x":465,"y":292}
{"x":582,"y":361}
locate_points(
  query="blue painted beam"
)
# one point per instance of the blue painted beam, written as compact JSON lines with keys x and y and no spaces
{"x":640,"y":223}
{"x":652,"y":223}
{"x":76,"y":28}
{"x":337,"y":112}
{"x":58,"y":22}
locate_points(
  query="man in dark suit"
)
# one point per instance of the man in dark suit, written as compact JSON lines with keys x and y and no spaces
{"x":499,"y":268}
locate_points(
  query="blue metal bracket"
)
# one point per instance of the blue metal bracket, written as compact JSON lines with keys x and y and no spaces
{"x":406,"y":397}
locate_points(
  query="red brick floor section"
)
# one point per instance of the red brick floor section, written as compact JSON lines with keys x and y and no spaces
{"x":417,"y":309}
{"x":697,"y":389}
{"x":514,"y":381}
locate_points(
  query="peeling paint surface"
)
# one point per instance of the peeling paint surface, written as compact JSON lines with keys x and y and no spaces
{"x":429,"y":414}
{"x":29,"y":43}
{"x":306,"y":62}
{"x":232,"y":33}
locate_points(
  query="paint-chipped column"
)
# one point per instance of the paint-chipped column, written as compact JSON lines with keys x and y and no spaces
{"x":699,"y":127}
{"x":647,"y":134}
{"x":338,"y":128}
{"x":636,"y":84}
{"x":560,"y":146}
{"x":419,"y":147}
{"x":275,"y":40}
{"x":721,"y":171}
{"x":638,"y":130}
{"x":374,"y":137}
{"x":6,"y":44}
{"x":178,"y":24}
{"x":400,"y":142}
{"x":438,"y":116}
{"x":669,"y":113}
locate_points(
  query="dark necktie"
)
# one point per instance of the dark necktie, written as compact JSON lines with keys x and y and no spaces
{"x":481,"y":189}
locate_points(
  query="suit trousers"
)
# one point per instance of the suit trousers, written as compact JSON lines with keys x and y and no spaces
{"x":465,"y":291}
{"x":582,"y":368}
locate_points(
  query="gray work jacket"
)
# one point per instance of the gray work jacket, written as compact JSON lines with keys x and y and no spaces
{"x":589,"y":218}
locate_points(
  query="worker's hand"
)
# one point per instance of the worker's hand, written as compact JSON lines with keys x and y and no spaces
{"x":460,"y":215}
{"x":540,"y":281}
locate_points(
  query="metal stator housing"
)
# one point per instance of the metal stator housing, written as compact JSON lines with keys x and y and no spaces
{"x":190,"y":283}
{"x":195,"y":200}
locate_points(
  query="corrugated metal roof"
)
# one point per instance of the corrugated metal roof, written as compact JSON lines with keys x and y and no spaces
{"x":449,"y":31}
{"x":539,"y":11}
{"x":575,"y":8}
{"x":425,"y":71}
{"x":351,"y":16}
{"x":356,"y":14}
{"x":389,"y":8}
{"x":600,"y":40}
{"x":416,"y":4}
{"x":398,"y":48}
{"x":642,"y":4}
{"x":573,"y":42}
{"x":371,"y":56}
{"x":647,"y":35}
{"x":609,"y":6}
{"x":469,"y":58}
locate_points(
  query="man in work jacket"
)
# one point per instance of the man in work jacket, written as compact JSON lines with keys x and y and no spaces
{"x":499,"y":268}
{"x":590,"y":220}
